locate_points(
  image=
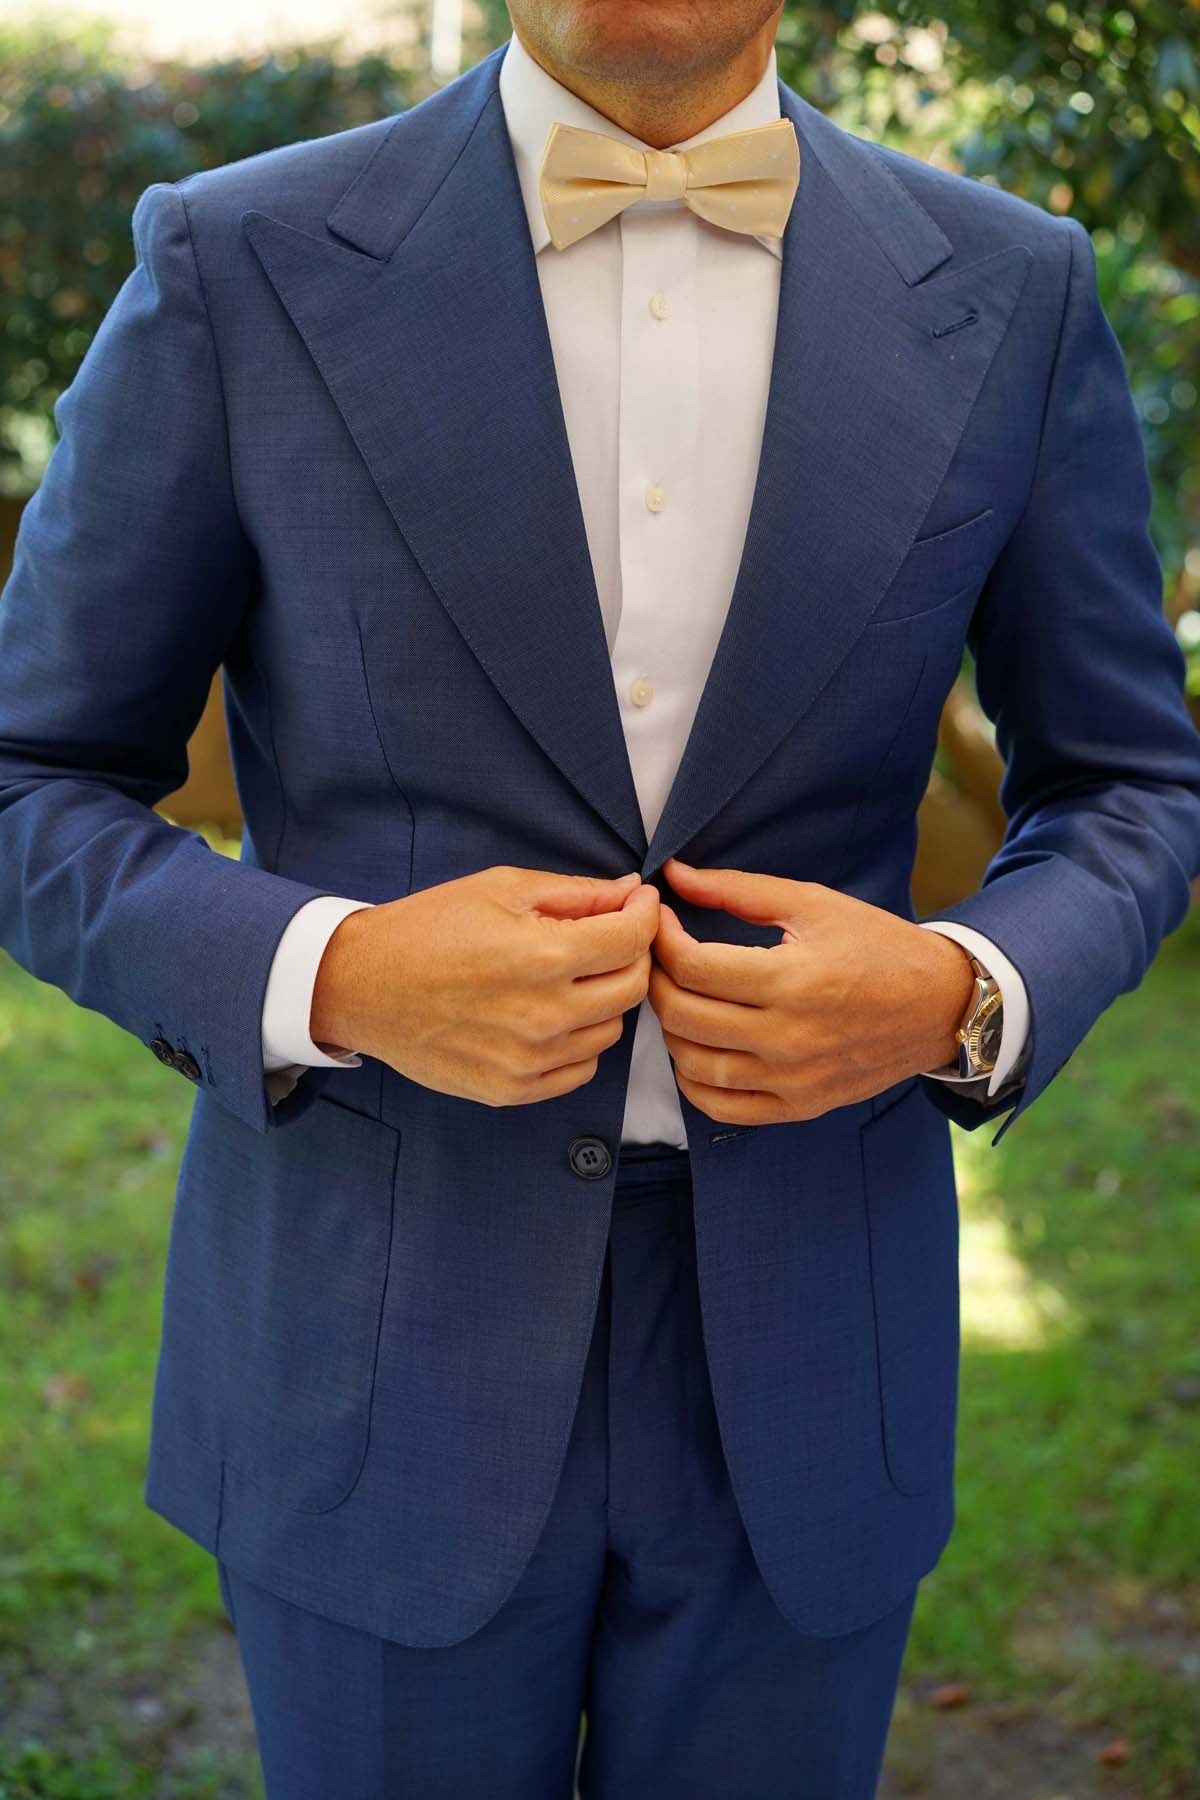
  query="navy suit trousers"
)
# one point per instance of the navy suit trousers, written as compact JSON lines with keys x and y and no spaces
{"x":641,"y":1613}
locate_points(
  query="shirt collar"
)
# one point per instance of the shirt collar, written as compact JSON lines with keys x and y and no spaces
{"x":532,"y":100}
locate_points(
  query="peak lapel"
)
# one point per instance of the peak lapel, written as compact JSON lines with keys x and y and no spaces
{"x":423,"y":314}
{"x":431,"y":337}
{"x":866,"y":406}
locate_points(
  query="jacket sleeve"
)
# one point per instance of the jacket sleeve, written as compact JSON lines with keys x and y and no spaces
{"x":130,"y":576}
{"x":1079,"y":671}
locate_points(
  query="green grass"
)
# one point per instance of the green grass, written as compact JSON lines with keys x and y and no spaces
{"x":99,"y":1597}
{"x":1073,"y":1576}
{"x":1072,"y":1582}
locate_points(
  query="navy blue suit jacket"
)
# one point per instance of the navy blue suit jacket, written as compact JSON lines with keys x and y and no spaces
{"x":318,"y":441}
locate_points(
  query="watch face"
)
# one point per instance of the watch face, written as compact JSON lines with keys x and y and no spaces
{"x":990,"y":1035}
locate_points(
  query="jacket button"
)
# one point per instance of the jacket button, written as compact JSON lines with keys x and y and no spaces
{"x":589,"y":1157}
{"x":187,"y":1065}
{"x":165,"y":1052}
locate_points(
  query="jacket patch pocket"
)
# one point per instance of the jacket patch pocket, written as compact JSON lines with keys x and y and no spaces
{"x":912,"y":1216}
{"x":276,"y":1278}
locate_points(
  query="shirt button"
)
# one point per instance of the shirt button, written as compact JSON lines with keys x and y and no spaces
{"x":641,"y":692}
{"x":660,"y":306}
{"x":656,"y":498}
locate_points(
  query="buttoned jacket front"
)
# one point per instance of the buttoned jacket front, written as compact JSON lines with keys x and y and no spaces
{"x":318,"y":441}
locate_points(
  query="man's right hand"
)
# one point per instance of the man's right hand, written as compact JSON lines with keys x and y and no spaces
{"x":503,"y":986}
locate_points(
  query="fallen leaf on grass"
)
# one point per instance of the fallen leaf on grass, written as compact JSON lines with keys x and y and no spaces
{"x":92,"y":1276}
{"x":154,"y":1142}
{"x":60,"y":1391}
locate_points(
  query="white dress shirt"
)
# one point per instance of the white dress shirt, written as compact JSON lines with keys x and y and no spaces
{"x":662,"y":327}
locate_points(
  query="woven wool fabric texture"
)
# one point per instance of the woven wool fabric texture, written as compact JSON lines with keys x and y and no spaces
{"x":317,"y":440}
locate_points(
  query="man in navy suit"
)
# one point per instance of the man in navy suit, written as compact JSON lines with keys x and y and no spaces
{"x":588,"y":481}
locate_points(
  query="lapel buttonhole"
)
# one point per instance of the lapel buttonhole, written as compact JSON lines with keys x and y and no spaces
{"x":954,"y":325}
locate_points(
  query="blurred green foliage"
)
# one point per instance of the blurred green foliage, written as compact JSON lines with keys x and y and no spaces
{"x":83,"y":131}
{"x":1090,"y":107}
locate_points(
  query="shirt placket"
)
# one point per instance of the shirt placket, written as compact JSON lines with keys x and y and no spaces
{"x":657,"y":487}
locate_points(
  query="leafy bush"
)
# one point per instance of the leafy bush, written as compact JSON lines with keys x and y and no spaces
{"x":83,"y":131}
{"x":1086,"y":106}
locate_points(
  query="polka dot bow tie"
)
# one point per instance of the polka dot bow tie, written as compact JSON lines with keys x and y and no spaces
{"x":745,"y":181}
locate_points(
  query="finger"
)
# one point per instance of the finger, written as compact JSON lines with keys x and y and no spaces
{"x":732,"y":1107}
{"x":738,"y":1069}
{"x":587,"y":1040}
{"x":724,"y":1024}
{"x":591,"y":998}
{"x":556,"y":1082}
{"x":572,"y":896}
{"x":611,"y":940}
{"x":745,"y":972}
{"x":762,"y":899}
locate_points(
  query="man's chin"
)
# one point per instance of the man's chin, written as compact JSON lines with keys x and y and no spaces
{"x":614,"y":40}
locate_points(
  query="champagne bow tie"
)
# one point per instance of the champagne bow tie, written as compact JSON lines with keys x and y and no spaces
{"x":745,"y":181}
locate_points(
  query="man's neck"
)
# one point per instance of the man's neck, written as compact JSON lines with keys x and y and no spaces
{"x":675,"y":111}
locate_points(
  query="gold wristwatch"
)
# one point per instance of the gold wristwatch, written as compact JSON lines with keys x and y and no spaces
{"x":978,"y":1037}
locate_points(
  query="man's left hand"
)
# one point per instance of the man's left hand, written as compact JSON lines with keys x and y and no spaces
{"x":851,"y":1000}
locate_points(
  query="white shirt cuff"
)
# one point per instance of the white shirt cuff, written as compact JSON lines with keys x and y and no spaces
{"x":287,"y":1047}
{"x":1014,"y":1033}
